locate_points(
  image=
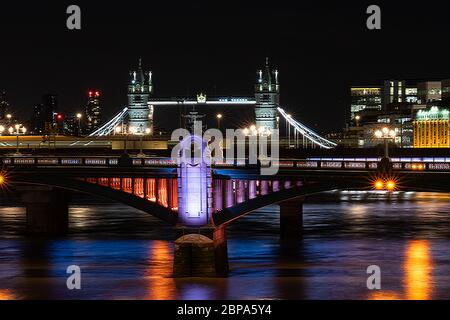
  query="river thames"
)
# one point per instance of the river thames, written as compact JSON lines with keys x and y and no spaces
{"x":126,"y":254}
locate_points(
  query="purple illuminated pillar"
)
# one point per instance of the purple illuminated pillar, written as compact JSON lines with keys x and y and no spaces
{"x":275,"y":186}
{"x":229,"y":194}
{"x":287,"y":184}
{"x":252,"y":189}
{"x":218,"y":195}
{"x":194,"y":184}
{"x":240,"y":191}
{"x":264,"y":187}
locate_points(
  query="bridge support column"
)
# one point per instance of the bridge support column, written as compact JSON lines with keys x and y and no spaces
{"x":201,"y":253}
{"x":218,"y":195}
{"x":47,"y":210}
{"x":291,"y":220}
{"x":229,"y":194}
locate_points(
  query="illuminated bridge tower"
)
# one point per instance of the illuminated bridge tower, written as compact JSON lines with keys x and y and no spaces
{"x":267,"y":96}
{"x":140,"y":116}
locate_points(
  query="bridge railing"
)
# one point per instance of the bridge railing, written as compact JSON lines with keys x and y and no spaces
{"x":361,"y":164}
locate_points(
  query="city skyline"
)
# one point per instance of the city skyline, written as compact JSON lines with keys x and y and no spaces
{"x":186,"y":57}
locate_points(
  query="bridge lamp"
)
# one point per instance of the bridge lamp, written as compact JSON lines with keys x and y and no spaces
{"x":24,"y":130}
{"x":2,"y":128}
{"x":357,"y":118}
{"x":379,"y":134}
{"x":148,"y":131}
{"x":385,"y":130}
{"x":17,"y":126}
{"x":118,"y":129}
{"x":219,"y":117}
{"x":9,"y":116}
{"x":10,"y":130}
{"x":390,"y":185}
{"x":252,"y":127}
{"x":133,"y":130}
{"x":379,"y":184}
{"x":392,"y":134}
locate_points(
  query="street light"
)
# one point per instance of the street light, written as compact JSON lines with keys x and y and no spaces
{"x":219,"y":117}
{"x":385,"y":134}
{"x":2,"y":129}
{"x":18,"y":128}
{"x":357,"y":118}
{"x":79,"y":116}
{"x":141,"y":153}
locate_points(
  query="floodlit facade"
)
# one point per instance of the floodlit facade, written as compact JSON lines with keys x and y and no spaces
{"x":365,"y":98}
{"x":431,"y":128}
{"x":140,"y":115}
{"x":267,"y":96}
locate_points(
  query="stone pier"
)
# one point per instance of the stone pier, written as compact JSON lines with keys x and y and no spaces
{"x":291,"y":219}
{"x":201,"y":253}
{"x":47,"y":210}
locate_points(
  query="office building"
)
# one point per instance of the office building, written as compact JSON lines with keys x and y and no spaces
{"x":93,"y":111}
{"x":431,"y":128}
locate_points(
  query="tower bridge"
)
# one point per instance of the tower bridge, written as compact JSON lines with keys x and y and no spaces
{"x":139,"y":113}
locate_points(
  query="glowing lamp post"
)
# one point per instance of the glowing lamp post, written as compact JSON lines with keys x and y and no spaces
{"x":219,"y":117}
{"x":18,"y":130}
{"x":386,"y":134}
{"x":141,"y":153}
{"x":79,"y":116}
{"x":357,"y":118}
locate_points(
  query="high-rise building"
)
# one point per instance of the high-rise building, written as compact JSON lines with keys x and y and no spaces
{"x":445,"y":91}
{"x":93,"y":111}
{"x":431,"y":128}
{"x":140,"y":114}
{"x":38,"y":119}
{"x":394,"y":91}
{"x":267,"y":96}
{"x":4,"y":106}
{"x":70,"y":126}
{"x":44,"y":118}
{"x":50,"y":108}
{"x":429,"y":91}
{"x":367,"y":98}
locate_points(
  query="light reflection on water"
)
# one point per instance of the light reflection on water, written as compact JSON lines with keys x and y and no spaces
{"x":125,"y":254}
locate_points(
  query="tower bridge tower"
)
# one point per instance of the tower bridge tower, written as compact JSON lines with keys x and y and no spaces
{"x":140,"y":115}
{"x":267,"y":96}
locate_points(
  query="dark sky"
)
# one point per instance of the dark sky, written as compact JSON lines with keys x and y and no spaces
{"x":213,"y":46}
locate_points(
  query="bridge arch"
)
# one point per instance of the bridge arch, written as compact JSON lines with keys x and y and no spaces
{"x":131,"y":200}
{"x":230,"y":214}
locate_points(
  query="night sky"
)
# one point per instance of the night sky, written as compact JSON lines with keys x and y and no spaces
{"x":213,"y":46}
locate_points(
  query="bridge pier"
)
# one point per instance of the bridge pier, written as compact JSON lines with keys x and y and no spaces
{"x":201,"y":253}
{"x":291,"y":220}
{"x":47,"y":210}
